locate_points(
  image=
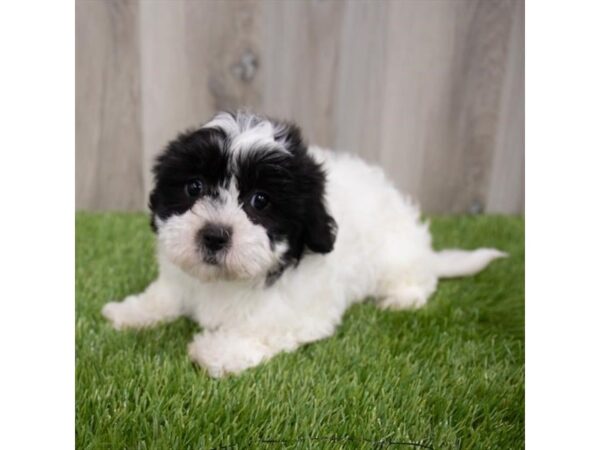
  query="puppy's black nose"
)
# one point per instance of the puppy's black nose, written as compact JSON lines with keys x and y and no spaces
{"x":214,"y":237}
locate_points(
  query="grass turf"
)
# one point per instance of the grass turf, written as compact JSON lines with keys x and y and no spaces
{"x":450,"y":375}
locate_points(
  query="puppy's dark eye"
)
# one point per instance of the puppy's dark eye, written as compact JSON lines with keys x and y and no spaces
{"x":259,"y":201}
{"x":194,"y":188}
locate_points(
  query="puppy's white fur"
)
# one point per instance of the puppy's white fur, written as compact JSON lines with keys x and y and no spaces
{"x":383,"y":250}
{"x":248,"y":132}
{"x":251,"y":255}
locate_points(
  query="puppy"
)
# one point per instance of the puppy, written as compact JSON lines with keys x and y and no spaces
{"x":265,"y":242}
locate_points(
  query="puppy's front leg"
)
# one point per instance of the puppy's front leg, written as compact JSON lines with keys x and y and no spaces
{"x":223,"y":352}
{"x":156,"y":304}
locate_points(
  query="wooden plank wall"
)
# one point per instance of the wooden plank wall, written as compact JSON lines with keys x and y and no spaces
{"x":431,"y":89}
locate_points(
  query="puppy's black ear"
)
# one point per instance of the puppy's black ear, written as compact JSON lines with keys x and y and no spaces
{"x":152,"y":205}
{"x":154,"y":200}
{"x":320,"y":229}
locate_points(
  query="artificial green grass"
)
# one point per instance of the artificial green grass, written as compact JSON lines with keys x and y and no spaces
{"x":450,"y":375}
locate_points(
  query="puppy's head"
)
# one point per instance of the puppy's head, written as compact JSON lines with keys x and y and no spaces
{"x":239,"y":198}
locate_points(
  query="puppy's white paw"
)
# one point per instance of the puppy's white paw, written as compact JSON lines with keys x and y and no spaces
{"x":405,"y":297}
{"x":123,"y":314}
{"x":222,"y":354}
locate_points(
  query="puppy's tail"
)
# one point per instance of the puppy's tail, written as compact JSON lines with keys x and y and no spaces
{"x":458,"y":263}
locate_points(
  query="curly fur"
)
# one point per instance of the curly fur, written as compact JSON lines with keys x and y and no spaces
{"x":335,"y":232}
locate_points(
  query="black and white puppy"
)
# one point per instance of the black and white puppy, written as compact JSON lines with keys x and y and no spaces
{"x":266,"y":242}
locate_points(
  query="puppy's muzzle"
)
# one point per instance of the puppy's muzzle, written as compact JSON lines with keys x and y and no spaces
{"x":214,"y":238}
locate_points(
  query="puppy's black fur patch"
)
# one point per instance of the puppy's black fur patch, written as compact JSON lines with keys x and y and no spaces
{"x":200,"y":154}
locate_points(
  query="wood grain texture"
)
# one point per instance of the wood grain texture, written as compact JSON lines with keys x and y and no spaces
{"x":195,"y":61}
{"x":108,"y":160}
{"x":443,"y":90}
{"x":430,"y":89}
{"x":506,"y":192}
{"x":416,"y":105}
{"x":301,"y":51}
{"x":359,"y":79}
{"x":475,"y":108}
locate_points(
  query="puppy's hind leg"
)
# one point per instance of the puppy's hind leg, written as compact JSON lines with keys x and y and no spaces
{"x":407,"y":289}
{"x":156,"y":304}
